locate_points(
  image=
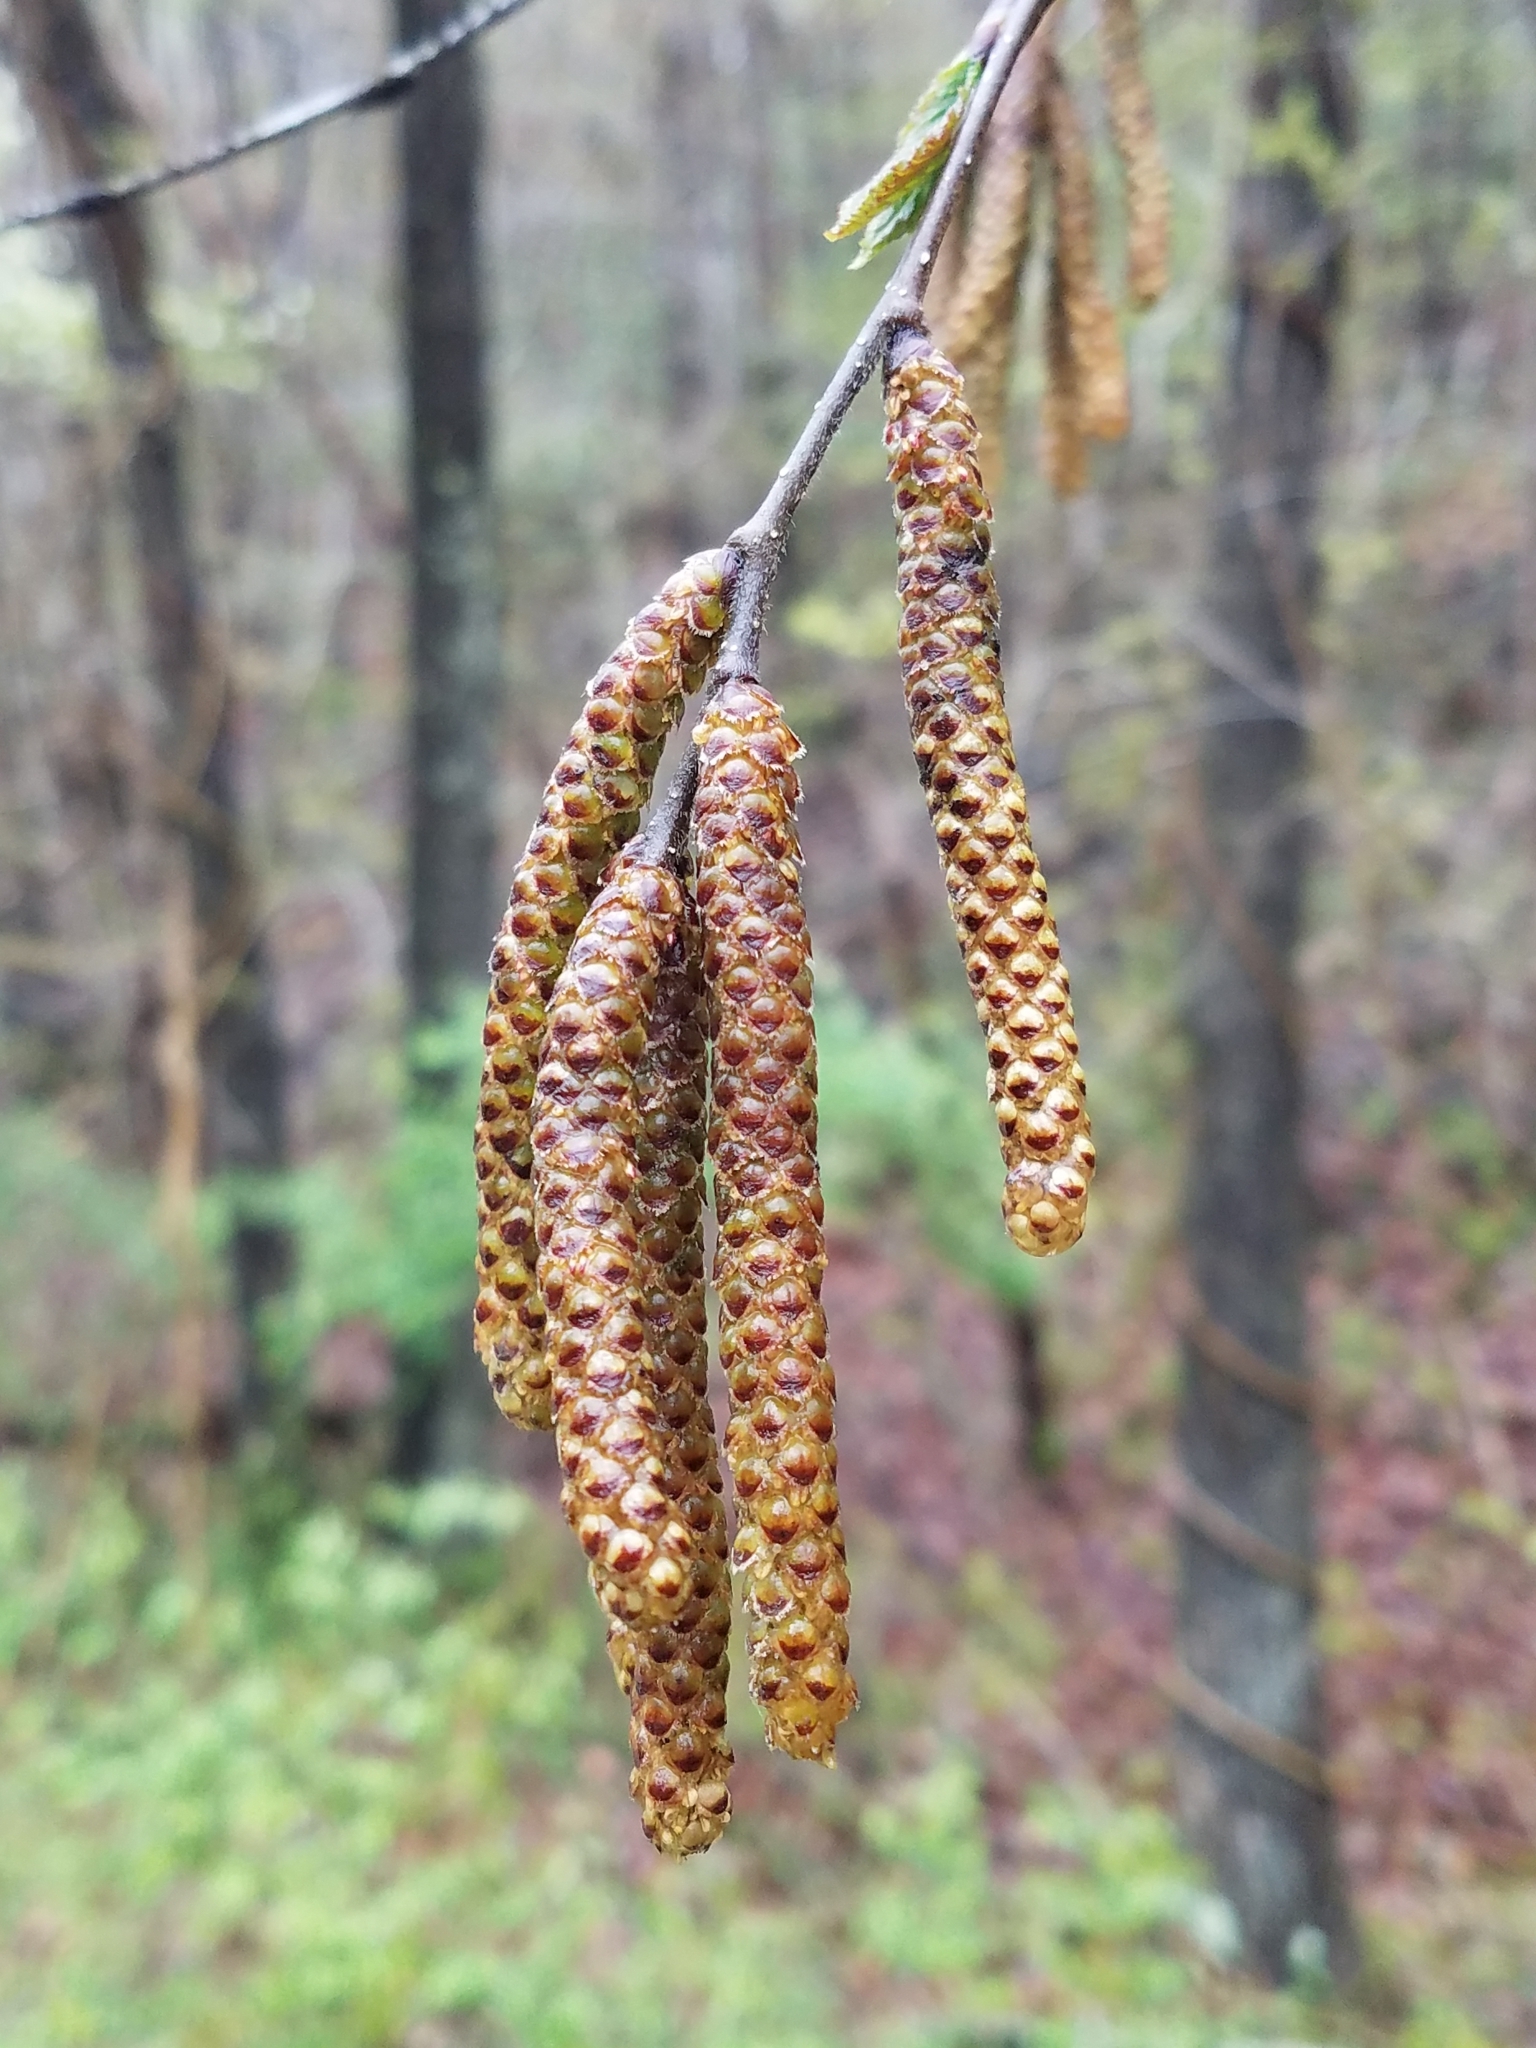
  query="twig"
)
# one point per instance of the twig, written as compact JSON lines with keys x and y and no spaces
{"x":401,"y":72}
{"x":758,"y":546}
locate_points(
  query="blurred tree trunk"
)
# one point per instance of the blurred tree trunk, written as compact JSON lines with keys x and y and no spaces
{"x":1252,"y":1790}
{"x":455,"y":630}
{"x":89,"y":121}
{"x":692,"y":272}
{"x":455,"y":598}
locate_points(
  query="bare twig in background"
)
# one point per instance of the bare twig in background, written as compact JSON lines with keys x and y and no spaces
{"x":401,"y":72}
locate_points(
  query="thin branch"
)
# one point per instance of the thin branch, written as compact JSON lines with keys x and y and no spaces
{"x":758,"y":547}
{"x":665,"y":836}
{"x":405,"y":66}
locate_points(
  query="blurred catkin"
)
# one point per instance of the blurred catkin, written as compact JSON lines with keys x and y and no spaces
{"x":591,"y":807}
{"x":976,"y":318}
{"x":771,"y":1255}
{"x":964,"y":750}
{"x":1063,"y":448}
{"x":675,"y":1674}
{"x":1103,"y":392}
{"x":612,"y":1442}
{"x":1134,"y":126}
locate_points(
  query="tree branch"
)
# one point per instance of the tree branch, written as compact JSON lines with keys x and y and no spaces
{"x":758,"y":546}
{"x":405,"y":66}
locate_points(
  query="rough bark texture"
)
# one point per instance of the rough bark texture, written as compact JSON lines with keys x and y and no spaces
{"x":1243,"y":1633}
{"x":455,"y":592}
{"x":91,"y":124}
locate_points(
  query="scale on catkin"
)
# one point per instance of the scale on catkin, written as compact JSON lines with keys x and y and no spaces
{"x":590,"y":809}
{"x":609,"y":1433}
{"x":675,"y":1674}
{"x":964,"y":750}
{"x":771,"y":1256}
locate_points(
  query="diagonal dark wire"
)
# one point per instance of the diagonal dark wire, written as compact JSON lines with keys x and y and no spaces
{"x":404,"y":67}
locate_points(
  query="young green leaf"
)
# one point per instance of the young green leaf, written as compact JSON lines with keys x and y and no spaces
{"x":889,"y":205}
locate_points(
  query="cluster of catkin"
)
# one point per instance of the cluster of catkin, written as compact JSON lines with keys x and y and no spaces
{"x":1036,"y":140}
{"x":651,"y":1006}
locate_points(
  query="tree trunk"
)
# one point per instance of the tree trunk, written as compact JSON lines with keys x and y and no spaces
{"x":455,"y":633}
{"x":1250,"y":1731}
{"x":89,"y":121}
{"x":455,"y":601}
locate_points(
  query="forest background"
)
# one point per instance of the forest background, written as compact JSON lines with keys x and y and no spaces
{"x":306,"y":1733}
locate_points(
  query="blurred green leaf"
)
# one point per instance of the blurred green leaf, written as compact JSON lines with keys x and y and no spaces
{"x":890,"y":204}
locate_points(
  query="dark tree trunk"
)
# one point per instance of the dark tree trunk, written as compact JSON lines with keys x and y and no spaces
{"x":1251,"y":1784}
{"x":455,"y":632}
{"x":90,"y":122}
{"x":455,"y":602}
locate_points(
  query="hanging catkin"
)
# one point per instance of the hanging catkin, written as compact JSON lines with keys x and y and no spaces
{"x":613,"y":1445}
{"x":1134,"y":126}
{"x":964,"y":750}
{"x":977,"y":320}
{"x":771,"y":1255}
{"x":675,"y":1675}
{"x":1063,"y":449}
{"x":591,"y":807}
{"x":1103,"y":393}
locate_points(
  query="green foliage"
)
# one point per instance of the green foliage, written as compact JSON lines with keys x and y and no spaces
{"x":390,"y":1236}
{"x":344,"y":1803}
{"x":904,"y":1104}
{"x":891,"y":204}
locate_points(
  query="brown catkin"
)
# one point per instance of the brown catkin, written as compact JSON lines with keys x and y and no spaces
{"x":964,"y":750}
{"x":1134,"y":126}
{"x":1103,"y":392}
{"x":611,"y":1439}
{"x":977,"y":319}
{"x":675,"y":1674}
{"x":771,"y":1255}
{"x":591,"y":807}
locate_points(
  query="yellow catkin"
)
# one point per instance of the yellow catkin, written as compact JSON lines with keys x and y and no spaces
{"x":964,"y":750}
{"x":612,"y":1442}
{"x":771,"y":1254}
{"x":591,"y":807}
{"x":1134,"y":126}
{"x":675,"y":1674}
{"x":1063,"y":449}
{"x":1103,"y":391}
{"x":976,"y":317}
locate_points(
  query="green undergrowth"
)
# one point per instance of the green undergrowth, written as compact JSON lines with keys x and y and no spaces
{"x":369,"y":1795}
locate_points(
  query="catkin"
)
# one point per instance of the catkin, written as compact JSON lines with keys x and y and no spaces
{"x":964,"y":750}
{"x":675,"y":1675}
{"x":1134,"y":127}
{"x":591,"y":807}
{"x":977,"y":321}
{"x":1103,"y":391}
{"x":1063,"y":448}
{"x":771,"y":1255}
{"x":609,"y":1432}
